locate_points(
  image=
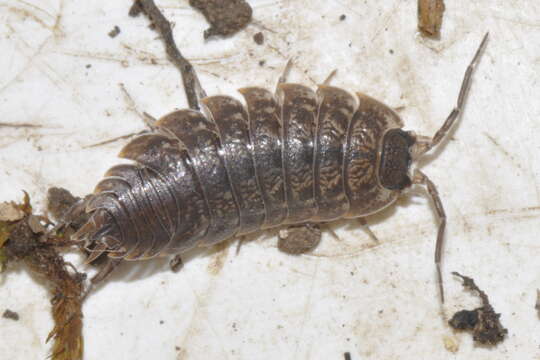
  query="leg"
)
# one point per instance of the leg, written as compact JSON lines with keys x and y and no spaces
{"x":105,"y":271}
{"x":241,"y":240}
{"x":329,"y":77}
{"x":283,"y":78}
{"x":365,"y":227}
{"x":421,"y":179}
{"x":299,"y":239}
{"x":148,"y":119}
{"x":328,"y":228}
{"x":425,"y":144}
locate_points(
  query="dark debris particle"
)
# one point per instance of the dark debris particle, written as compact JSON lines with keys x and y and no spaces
{"x":484,"y":322}
{"x":342,"y":17}
{"x":12,"y":315}
{"x":347,"y":356}
{"x":226,"y":17}
{"x":258,"y":38}
{"x":114,"y":32}
{"x":262,"y":62}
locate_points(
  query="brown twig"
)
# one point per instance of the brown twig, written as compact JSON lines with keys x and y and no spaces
{"x":163,"y":27}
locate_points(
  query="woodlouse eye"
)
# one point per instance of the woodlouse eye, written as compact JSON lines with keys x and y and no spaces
{"x":395,"y":160}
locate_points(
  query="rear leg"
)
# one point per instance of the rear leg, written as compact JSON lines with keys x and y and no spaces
{"x":299,"y":239}
{"x":364,"y":225}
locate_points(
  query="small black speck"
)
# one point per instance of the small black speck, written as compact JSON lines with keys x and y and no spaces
{"x":161,"y":322}
{"x":177,"y":348}
{"x":114,"y":32}
{"x":88,"y":66}
{"x":342,"y":17}
{"x":391,"y":51}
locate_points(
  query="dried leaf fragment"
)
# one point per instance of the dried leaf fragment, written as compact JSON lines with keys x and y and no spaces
{"x":10,"y":212}
{"x":430,"y":14}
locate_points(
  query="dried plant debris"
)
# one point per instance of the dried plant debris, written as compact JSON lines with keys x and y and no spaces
{"x":430,"y":15}
{"x":12,"y":315}
{"x":26,"y":240}
{"x":226,"y":17}
{"x":484,"y":322}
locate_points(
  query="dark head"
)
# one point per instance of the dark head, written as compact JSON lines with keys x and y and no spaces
{"x":396,"y":159}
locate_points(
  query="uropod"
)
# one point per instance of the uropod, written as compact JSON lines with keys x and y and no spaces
{"x":294,"y":157}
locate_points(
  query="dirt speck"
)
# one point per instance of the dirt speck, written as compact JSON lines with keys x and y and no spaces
{"x":12,"y":315}
{"x":114,"y":32}
{"x":226,"y":17}
{"x":258,"y":38}
{"x":347,"y":356}
{"x":451,"y":344}
{"x":342,"y":17}
{"x":483,"y":322}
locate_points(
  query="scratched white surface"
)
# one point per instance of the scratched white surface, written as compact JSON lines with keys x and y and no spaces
{"x":61,"y":71}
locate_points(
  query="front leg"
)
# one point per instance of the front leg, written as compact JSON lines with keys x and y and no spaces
{"x":299,"y":239}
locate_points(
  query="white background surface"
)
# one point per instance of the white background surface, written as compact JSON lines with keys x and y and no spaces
{"x":375,"y":301}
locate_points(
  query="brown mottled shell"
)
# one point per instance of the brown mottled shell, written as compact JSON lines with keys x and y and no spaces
{"x":300,"y":156}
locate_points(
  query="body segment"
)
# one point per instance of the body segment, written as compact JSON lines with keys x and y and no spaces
{"x":298,"y":157}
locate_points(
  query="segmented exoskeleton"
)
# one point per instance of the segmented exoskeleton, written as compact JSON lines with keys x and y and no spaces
{"x":295,"y":157}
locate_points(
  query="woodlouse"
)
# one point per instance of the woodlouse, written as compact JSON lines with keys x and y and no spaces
{"x":296,"y":157}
